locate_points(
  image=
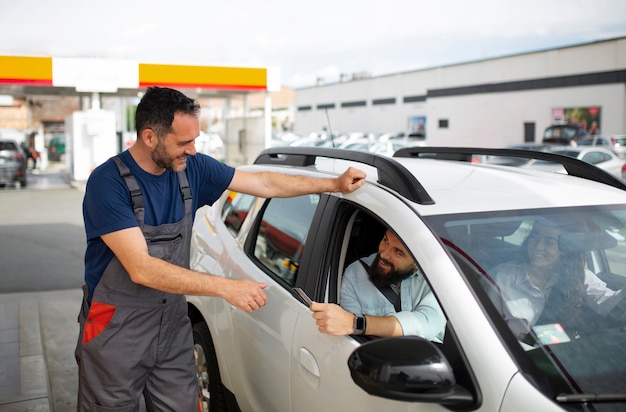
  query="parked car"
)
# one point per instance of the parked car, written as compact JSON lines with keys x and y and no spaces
{"x":538,"y":147}
{"x":314,"y":141}
{"x":212,"y":145}
{"x":56,"y":147}
{"x":568,"y":134}
{"x":597,"y":156}
{"x":361,"y":144}
{"x":616,"y":143}
{"x":517,"y":161}
{"x":458,"y":220}
{"x":12,"y":164}
{"x":385,"y":144}
{"x":388,"y":147}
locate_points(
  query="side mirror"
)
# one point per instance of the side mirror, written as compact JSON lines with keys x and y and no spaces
{"x":407,"y":368}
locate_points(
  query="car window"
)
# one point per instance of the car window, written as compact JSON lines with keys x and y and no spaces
{"x":595,"y":157}
{"x":358,"y":146}
{"x":570,"y":153}
{"x":569,"y":133}
{"x":378,"y":147}
{"x":365,"y":234}
{"x":282,"y":233}
{"x":8,"y":146}
{"x":382,"y":277}
{"x":235,"y":210}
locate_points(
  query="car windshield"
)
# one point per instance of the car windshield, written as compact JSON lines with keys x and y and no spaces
{"x":7,"y":145}
{"x":561,"y":131}
{"x":551,"y":279}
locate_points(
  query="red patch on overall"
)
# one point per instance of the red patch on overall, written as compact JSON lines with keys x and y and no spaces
{"x":100,"y":314}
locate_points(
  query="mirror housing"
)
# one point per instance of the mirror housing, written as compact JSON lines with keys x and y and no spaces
{"x":406,"y":368}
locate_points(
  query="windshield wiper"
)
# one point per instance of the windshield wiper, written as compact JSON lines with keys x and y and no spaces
{"x":590,"y":397}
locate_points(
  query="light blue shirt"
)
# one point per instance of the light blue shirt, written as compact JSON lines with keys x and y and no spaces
{"x":420,"y":315}
{"x":521,"y":303}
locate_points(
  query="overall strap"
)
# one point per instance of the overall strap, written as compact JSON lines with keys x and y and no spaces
{"x":185,"y":190}
{"x":136,"y":196}
{"x":391,"y":296}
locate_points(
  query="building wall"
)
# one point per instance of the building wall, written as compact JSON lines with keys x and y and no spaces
{"x":485,"y":102}
{"x":244,"y":140}
{"x":496,"y":121}
{"x":30,"y":113}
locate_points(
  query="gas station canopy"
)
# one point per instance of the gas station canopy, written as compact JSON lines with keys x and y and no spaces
{"x":91,"y":134}
{"x":25,"y":75}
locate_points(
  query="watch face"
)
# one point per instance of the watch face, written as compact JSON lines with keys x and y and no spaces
{"x":360,"y":323}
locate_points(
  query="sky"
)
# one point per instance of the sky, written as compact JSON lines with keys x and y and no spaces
{"x":305,"y":41}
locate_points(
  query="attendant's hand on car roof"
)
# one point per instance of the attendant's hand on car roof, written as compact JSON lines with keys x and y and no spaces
{"x":350,"y":180}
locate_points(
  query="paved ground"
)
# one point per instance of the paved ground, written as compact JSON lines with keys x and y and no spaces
{"x":37,"y":333}
{"x":38,"y":330}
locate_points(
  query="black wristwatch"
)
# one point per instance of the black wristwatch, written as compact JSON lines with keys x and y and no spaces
{"x":359,"y":325}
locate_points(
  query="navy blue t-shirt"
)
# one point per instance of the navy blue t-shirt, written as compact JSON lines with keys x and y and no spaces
{"x":107,"y":207}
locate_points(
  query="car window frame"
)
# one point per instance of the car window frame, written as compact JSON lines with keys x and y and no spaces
{"x":306,"y":263}
{"x":227,"y":208}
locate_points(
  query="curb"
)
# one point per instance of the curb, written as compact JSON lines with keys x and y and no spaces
{"x":24,"y":384}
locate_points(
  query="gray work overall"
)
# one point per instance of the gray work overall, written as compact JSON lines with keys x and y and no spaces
{"x":136,"y":340}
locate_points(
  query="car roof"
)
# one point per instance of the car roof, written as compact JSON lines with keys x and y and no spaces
{"x":434,"y":186}
{"x":460,"y":187}
{"x":564,"y":126}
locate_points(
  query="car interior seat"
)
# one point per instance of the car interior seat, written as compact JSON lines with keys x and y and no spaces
{"x":367,"y":231}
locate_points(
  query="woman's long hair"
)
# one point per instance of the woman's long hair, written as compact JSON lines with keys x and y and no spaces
{"x":565,"y":301}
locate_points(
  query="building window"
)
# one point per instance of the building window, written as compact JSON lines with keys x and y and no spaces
{"x":359,"y":103}
{"x":325,"y":106}
{"x":391,"y":100}
{"x":413,"y":99}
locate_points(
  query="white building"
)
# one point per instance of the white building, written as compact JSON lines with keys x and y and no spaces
{"x":491,"y":103}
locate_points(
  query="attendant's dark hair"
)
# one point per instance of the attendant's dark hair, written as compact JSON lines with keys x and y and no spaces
{"x":157,"y":108}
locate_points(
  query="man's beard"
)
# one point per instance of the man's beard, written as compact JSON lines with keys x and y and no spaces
{"x":162,"y":159}
{"x":382,"y":279}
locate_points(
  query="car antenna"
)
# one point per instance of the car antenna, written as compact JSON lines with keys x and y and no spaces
{"x":330,"y":130}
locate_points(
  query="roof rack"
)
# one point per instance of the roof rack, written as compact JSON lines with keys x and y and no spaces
{"x":390,"y":172}
{"x":574,"y":167}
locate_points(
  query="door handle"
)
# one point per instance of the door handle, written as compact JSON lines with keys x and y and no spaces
{"x":308,"y":362}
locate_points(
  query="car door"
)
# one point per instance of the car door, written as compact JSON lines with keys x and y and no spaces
{"x":272,"y":253}
{"x":319,"y":374}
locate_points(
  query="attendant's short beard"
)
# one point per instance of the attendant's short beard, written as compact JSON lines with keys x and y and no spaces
{"x":161,"y":158}
{"x":381,"y":279}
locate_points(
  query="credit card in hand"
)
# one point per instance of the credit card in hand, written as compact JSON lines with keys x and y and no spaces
{"x":303,"y":296}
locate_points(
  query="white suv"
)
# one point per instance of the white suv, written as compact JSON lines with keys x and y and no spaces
{"x":463,"y":223}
